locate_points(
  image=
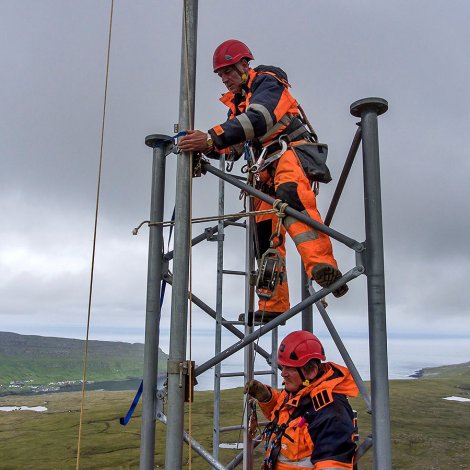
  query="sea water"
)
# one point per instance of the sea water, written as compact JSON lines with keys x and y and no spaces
{"x":406,"y":356}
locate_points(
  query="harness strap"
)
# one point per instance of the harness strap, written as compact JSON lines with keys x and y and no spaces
{"x":283,"y":122}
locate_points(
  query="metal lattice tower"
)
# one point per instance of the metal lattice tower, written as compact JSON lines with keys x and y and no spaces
{"x":369,"y":261}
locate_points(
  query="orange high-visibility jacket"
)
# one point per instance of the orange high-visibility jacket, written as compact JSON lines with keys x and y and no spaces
{"x":262,"y":111}
{"x":313,"y":429}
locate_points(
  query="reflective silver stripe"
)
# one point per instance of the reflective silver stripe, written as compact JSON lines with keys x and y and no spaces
{"x":305,"y":237}
{"x":264,"y":111}
{"x":305,"y":462}
{"x":288,"y":221}
{"x":245,"y":122}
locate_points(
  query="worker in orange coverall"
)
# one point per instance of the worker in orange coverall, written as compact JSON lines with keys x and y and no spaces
{"x":312,"y":425}
{"x":261,"y":110}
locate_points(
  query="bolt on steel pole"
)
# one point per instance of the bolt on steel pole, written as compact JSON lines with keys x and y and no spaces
{"x":368,"y":109}
{"x":162,"y":146}
{"x":179,"y":299}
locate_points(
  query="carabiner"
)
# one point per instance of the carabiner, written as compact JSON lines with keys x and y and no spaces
{"x":255,"y":167}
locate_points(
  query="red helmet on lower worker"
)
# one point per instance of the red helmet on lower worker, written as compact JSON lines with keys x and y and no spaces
{"x":229,"y":53}
{"x":298,"y":347}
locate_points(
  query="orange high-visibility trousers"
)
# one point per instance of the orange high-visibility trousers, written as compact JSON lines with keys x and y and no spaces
{"x":265,"y":226}
{"x":293,"y":187}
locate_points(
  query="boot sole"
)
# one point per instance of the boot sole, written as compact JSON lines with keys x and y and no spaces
{"x":266,"y":318}
{"x":325,"y":274}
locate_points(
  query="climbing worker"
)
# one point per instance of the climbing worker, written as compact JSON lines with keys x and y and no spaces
{"x":312,"y":425}
{"x":265,"y":121}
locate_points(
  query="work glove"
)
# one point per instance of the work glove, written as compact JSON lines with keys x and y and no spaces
{"x":258,"y":390}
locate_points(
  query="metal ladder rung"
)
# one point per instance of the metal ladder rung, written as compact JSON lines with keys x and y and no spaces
{"x":236,"y":224}
{"x":238,"y":273}
{"x":240,"y":426}
{"x":240,"y":374}
{"x":231,"y":428}
{"x":233,"y":322}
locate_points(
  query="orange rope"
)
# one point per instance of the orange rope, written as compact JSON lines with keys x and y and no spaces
{"x":85,"y":359}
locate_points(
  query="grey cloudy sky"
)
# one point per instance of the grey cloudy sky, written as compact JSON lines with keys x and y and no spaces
{"x":53,"y":56}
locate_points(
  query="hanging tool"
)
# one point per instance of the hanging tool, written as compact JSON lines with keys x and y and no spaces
{"x":253,"y":426}
{"x":272,"y":266}
{"x":261,"y":163}
{"x":270,"y":273}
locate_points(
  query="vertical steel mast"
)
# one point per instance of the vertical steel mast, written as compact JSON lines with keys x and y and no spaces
{"x":179,"y":299}
{"x":368,"y":109}
{"x":161,"y":145}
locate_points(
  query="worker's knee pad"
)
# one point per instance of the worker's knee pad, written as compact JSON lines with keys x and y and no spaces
{"x":288,"y":193}
{"x":264,"y":232}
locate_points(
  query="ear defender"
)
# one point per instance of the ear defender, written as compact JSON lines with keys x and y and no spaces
{"x":306,"y":383}
{"x":244,"y":77}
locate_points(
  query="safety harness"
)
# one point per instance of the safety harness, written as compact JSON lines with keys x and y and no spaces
{"x":273,"y":434}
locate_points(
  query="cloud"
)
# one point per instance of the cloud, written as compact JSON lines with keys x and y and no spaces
{"x":53,"y":89}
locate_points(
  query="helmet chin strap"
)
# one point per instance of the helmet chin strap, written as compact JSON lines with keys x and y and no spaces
{"x":242,"y":74}
{"x":305,"y":381}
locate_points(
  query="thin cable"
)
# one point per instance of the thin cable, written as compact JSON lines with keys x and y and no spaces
{"x":199,"y":220}
{"x":85,"y":359}
{"x":252,"y":214}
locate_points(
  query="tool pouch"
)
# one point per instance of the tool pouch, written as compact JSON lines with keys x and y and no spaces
{"x":312,"y":157}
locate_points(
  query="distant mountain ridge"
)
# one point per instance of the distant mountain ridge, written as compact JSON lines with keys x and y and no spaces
{"x":41,"y":359}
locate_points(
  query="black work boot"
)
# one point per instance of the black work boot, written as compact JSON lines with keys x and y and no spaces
{"x":325,"y":274}
{"x":262,"y":317}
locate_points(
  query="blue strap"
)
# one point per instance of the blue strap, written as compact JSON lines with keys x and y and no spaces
{"x":124,"y":420}
{"x":180,"y":134}
{"x":246,"y":151}
{"x":128,"y":417}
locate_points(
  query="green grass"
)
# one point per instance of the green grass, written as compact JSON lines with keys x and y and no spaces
{"x":428,"y":433}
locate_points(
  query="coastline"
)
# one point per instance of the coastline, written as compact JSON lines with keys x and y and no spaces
{"x":134,"y":383}
{"x":76,"y":386}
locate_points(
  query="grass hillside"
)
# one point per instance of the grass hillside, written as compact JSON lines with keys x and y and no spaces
{"x":42,"y":359}
{"x":428,"y":433}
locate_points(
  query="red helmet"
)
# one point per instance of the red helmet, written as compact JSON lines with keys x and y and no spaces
{"x":229,"y":53}
{"x":298,"y":348}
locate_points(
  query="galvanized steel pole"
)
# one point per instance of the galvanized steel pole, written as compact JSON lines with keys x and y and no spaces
{"x":179,"y":299}
{"x":218,"y":309}
{"x":162,"y":146}
{"x":307,"y":314}
{"x":368,"y":109}
{"x":274,"y":365}
{"x":249,"y":325}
